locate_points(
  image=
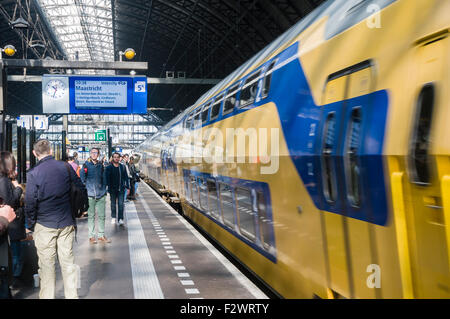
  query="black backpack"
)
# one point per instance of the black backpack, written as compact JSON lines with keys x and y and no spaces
{"x":79,"y":201}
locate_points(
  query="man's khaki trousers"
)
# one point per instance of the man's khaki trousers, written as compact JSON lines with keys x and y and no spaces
{"x":49,"y":242}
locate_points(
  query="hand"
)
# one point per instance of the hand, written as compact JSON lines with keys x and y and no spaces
{"x":7,"y":212}
{"x":15,"y":183}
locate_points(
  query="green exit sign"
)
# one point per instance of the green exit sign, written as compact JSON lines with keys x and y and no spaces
{"x":100,"y":135}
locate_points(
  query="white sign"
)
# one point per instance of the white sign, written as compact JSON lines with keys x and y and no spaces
{"x":41,"y":122}
{"x":24,"y":121}
{"x":100,"y":94}
{"x":55,"y":94}
{"x":140,"y":86}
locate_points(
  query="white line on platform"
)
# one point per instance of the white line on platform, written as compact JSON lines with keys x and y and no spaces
{"x":145,"y":281}
{"x":250,"y":286}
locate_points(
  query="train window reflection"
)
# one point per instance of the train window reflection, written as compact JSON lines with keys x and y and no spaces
{"x":245,"y":211}
{"x":212,"y":198}
{"x":194,"y":190}
{"x":216,"y":107}
{"x":267,"y":80}
{"x":329,"y":177}
{"x":230,"y":100}
{"x":420,"y":143}
{"x":226,"y":203}
{"x":264,"y":221}
{"x":203,"y":194}
{"x":248,"y":93}
{"x":187,"y":187}
{"x":205,"y":113}
{"x":353,"y":170}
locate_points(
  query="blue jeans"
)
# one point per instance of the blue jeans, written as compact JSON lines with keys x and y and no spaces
{"x":117,"y":198}
{"x":17,"y":257}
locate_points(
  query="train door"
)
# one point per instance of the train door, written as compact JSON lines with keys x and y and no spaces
{"x":347,"y":181}
{"x":333,"y":223}
{"x":426,"y":186}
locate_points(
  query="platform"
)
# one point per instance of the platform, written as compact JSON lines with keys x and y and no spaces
{"x":157,"y":254}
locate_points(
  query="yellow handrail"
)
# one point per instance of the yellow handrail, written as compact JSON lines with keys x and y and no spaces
{"x":445,"y":189}
{"x":402,"y":234}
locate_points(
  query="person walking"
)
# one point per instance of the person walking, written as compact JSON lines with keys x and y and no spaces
{"x":92,"y":175}
{"x":75,"y":158}
{"x":72,"y":163}
{"x":133,"y":178}
{"x":124,"y":161}
{"x":48,"y":213}
{"x":117,"y":183}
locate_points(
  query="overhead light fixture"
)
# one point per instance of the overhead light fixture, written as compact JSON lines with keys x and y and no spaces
{"x":9,"y":50}
{"x":128,"y":53}
{"x":20,"y":23}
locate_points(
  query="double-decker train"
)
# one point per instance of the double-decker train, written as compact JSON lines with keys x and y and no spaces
{"x":323,"y":163}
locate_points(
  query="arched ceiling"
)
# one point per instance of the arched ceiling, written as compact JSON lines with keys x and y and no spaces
{"x":203,"y":38}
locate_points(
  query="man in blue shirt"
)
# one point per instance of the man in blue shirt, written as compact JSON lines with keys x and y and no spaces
{"x":117,"y":182}
{"x":92,"y":175}
{"x":48,"y":212}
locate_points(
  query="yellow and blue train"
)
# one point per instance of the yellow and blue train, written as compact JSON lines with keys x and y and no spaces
{"x":323,"y":163}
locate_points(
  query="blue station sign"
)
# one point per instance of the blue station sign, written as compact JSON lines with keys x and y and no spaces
{"x":65,"y":94}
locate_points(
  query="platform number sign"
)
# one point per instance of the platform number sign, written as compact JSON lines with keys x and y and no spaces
{"x":41,"y":122}
{"x":140,"y":86}
{"x":100,"y":136}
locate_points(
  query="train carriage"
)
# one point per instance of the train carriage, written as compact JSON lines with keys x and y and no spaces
{"x":323,"y":163}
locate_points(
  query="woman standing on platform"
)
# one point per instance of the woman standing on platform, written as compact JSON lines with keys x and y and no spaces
{"x":10,"y":192}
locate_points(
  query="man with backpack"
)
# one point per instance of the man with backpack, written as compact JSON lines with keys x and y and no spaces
{"x":92,"y":174}
{"x":48,"y":209}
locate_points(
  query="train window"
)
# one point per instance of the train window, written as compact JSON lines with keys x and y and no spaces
{"x":205,"y":113}
{"x":230,"y":99}
{"x":216,"y":107}
{"x":212,"y":198}
{"x":353,"y":170}
{"x":329,"y":177}
{"x":248,"y":92}
{"x":203,"y":194}
{"x":244,"y":207}
{"x":197,"y":119}
{"x":188,"y":121}
{"x":194,"y":190}
{"x":420,"y":143}
{"x":264,"y":221}
{"x":188,"y":189}
{"x":226,"y":202}
{"x":267,"y":80}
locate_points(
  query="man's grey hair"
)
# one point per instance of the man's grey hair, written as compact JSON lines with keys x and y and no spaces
{"x":42,"y":147}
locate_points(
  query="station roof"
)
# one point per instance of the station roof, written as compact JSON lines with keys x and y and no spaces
{"x":200,"y":38}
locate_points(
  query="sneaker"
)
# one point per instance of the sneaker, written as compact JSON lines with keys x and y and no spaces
{"x":113,"y":221}
{"x":92,"y":240}
{"x":104,"y":240}
{"x":120,"y":222}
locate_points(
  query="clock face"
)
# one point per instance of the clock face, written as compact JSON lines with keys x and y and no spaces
{"x":55,"y":89}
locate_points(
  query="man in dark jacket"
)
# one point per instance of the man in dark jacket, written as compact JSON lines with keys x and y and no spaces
{"x":92,"y":175}
{"x":117,"y":182}
{"x":48,"y":212}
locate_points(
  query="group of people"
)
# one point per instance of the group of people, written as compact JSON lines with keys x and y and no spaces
{"x":44,"y":212}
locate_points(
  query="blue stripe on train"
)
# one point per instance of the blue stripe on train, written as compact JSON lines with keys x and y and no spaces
{"x":302,"y":122}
